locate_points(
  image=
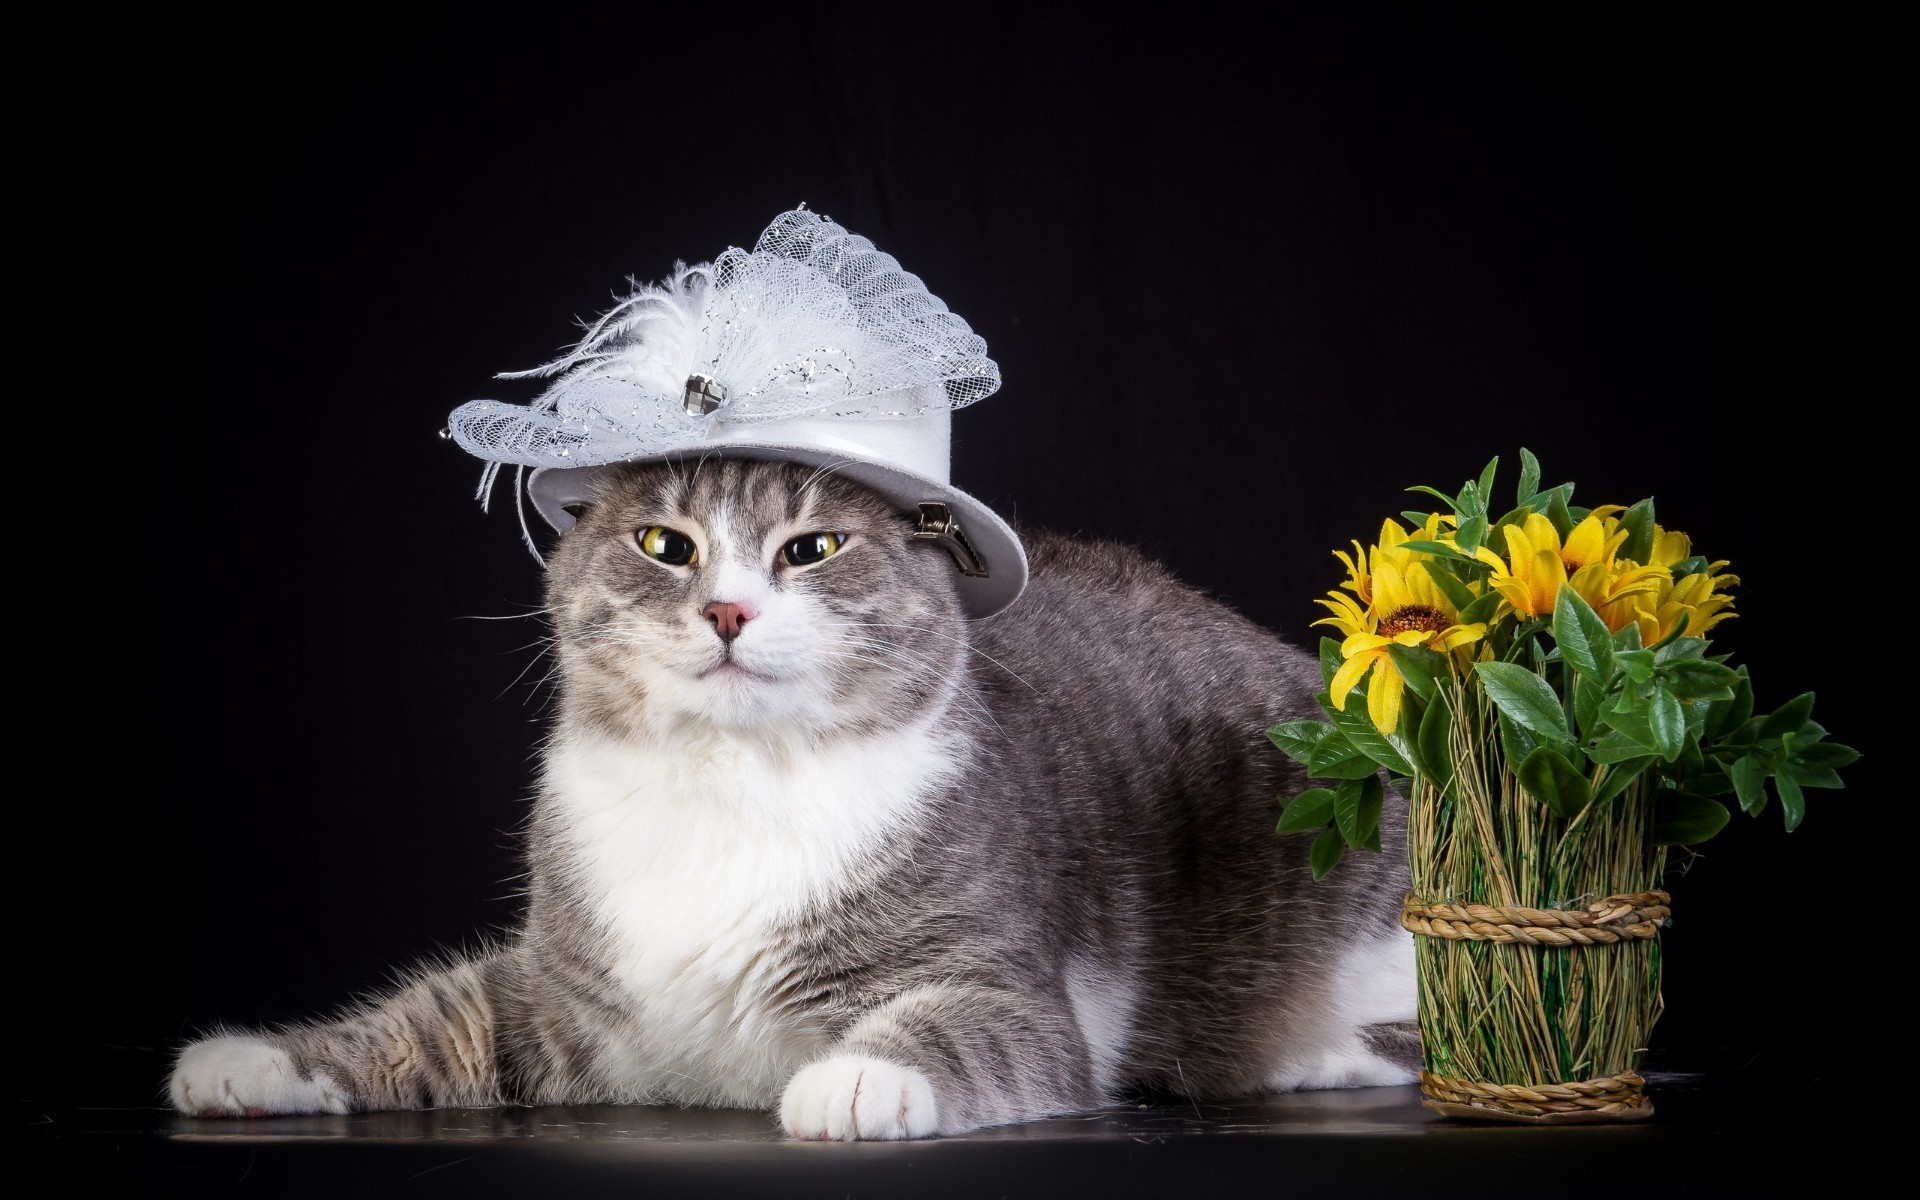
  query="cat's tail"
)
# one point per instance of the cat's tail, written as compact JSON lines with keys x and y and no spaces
{"x":432,"y":1041}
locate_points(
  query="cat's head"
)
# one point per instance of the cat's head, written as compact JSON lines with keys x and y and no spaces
{"x":750,"y":594}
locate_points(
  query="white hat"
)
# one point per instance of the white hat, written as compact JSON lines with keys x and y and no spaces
{"x":813,"y":347}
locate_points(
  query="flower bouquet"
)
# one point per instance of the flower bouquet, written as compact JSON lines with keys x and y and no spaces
{"x":1541,"y":685}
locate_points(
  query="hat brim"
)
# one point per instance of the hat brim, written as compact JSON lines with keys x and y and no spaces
{"x":553,"y":489}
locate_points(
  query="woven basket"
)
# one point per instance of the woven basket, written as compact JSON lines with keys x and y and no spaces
{"x":1537,"y":944}
{"x":1597,"y":929}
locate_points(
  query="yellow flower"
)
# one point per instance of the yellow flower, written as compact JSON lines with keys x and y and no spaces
{"x":1657,"y":611}
{"x":1359,"y":571}
{"x":1538,"y":565}
{"x":1529,"y":579}
{"x":1402,"y":606}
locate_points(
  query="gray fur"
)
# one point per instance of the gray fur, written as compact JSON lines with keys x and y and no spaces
{"x":1112,"y":825}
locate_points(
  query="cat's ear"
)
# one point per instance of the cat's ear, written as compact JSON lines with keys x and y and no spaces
{"x":563,"y":496}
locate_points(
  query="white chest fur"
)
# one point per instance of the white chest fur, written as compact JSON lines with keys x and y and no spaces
{"x":692,"y":856}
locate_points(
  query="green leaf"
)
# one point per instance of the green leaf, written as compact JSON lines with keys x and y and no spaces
{"x":1673,"y":649}
{"x":1372,"y":799}
{"x":1792,"y":802}
{"x":1481,"y":610}
{"x":1728,"y":715}
{"x":1582,"y":636}
{"x":1452,"y":504}
{"x":1365,"y":738}
{"x":1298,"y":739}
{"x":1516,"y":740}
{"x":1711,"y":779}
{"x":1335,"y":758}
{"x":1419,"y":666}
{"x":1356,"y":811}
{"x":1697,"y":565}
{"x":1813,"y":777}
{"x":1330,"y":660}
{"x":1690,"y":763}
{"x":1309,"y":810}
{"x":1430,"y":745}
{"x":1455,"y":591}
{"x":1470,"y":533}
{"x":1529,"y":476}
{"x":1788,"y":718}
{"x":1699,"y":678}
{"x":1828,"y":756}
{"x":1346,"y":811}
{"x":1636,"y":665}
{"x":1588,"y":696}
{"x":1628,"y":638}
{"x":1484,"y":488}
{"x":1525,"y":697}
{"x":1555,"y":782}
{"x":1438,"y":549}
{"x":1667,"y":723}
{"x":1554,"y":505}
{"x":1617,"y":747}
{"x":1699,"y":706}
{"x":1809,"y":734}
{"x":1327,"y":849}
{"x":1472,"y":503}
{"x":1683,"y":819}
{"x":1638,"y":522}
{"x":1416,"y":519}
{"x":1619,"y":775}
{"x":1634,"y":722}
{"x":1747,"y":737}
{"x":1750,"y":784}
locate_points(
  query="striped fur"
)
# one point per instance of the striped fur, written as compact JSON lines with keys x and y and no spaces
{"x":874,"y":869}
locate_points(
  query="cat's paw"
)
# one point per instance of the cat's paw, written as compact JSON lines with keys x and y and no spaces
{"x":852,"y":1097}
{"x":247,"y":1077}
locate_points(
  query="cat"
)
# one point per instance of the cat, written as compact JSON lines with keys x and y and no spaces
{"x":810,"y":842}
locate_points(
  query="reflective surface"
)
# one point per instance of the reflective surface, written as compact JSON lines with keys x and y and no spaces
{"x":1706,"y":1138}
{"x":1360,"y":1111}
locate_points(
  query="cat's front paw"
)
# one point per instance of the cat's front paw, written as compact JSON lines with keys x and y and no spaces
{"x":852,"y":1097}
{"x":247,"y":1077}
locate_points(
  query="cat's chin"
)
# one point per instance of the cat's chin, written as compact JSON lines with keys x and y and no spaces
{"x":730,"y":672}
{"x":731,"y":695}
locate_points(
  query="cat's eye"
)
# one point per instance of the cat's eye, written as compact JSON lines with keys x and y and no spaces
{"x":811,"y":548}
{"x":669,"y":546}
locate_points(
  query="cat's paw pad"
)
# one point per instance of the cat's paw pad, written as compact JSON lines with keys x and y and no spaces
{"x":854,"y":1098}
{"x":247,"y":1077}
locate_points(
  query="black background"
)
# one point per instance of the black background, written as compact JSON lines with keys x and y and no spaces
{"x":1246,"y":281}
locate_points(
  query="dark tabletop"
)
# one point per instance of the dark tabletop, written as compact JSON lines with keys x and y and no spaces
{"x":1707,"y":1137}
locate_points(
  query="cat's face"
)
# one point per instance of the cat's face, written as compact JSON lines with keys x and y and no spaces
{"x":750,"y":594}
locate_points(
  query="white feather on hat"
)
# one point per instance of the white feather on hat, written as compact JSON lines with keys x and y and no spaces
{"x":813,"y":347}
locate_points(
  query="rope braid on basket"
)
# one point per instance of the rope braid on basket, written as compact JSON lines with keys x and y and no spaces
{"x":1608,"y":1094}
{"x":1615,"y":919}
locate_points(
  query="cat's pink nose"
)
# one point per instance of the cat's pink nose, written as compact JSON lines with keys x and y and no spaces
{"x":727,"y":618}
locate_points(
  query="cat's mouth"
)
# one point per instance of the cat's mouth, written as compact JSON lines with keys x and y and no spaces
{"x":730,"y":667}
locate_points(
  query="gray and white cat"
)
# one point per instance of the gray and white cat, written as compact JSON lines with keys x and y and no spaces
{"x":808,"y":841}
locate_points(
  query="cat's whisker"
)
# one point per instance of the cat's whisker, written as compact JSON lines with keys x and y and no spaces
{"x":537,"y":611}
{"x":936,"y":633}
{"x":932,"y":668}
{"x":532,"y":662}
{"x":823,"y":471}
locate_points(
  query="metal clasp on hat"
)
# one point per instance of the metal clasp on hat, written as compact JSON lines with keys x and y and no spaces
{"x":938,"y":524}
{"x":704,"y":394}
